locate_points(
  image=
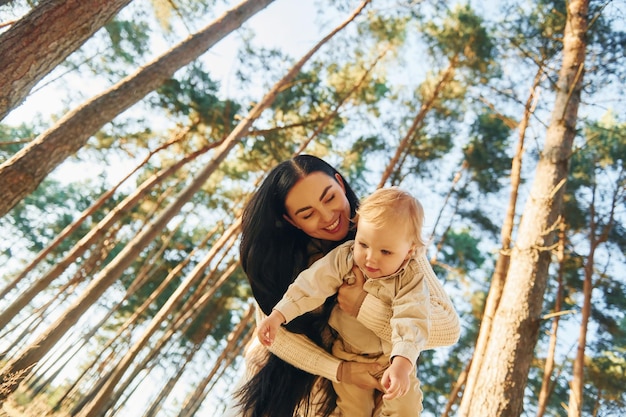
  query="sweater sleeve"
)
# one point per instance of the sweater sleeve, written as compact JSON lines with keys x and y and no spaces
{"x":316,"y":283}
{"x":445,"y":328}
{"x":299,"y":351}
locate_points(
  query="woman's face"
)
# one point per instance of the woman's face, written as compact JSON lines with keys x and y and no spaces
{"x":317,"y":204}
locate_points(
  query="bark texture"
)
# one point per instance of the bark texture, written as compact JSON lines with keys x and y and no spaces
{"x":499,"y":388}
{"x":43,"y":39}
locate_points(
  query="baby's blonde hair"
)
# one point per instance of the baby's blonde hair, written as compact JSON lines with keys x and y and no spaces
{"x":392,"y":205}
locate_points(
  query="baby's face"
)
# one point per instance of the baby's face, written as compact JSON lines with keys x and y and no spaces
{"x":381,"y":251}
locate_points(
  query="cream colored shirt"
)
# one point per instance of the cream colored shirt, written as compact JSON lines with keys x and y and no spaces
{"x":405,"y":291}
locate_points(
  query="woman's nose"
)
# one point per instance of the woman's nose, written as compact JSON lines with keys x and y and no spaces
{"x":327,"y":214}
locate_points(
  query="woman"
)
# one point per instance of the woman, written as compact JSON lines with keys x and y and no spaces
{"x":300,"y":212}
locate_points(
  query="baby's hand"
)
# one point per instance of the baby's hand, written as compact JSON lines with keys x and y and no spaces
{"x":395,"y":379}
{"x":268,"y":327}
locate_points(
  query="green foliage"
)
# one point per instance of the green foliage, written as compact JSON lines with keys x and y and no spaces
{"x":537,"y":29}
{"x":110,"y":51}
{"x":194,"y":96}
{"x":481,"y":218}
{"x":354,"y":163}
{"x":385,"y":27}
{"x":607,"y":375}
{"x":597,"y":181}
{"x":461,"y":251}
{"x":42,"y":215}
{"x":606,"y":50}
{"x":462,"y":38}
{"x":486,"y":153}
{"x":12,"y":139}
{"x":424,"y":154}
{"x":129,"y":39}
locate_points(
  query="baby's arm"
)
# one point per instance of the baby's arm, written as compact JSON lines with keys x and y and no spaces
{"x":268,"y":327}
{"x":396,"y":378}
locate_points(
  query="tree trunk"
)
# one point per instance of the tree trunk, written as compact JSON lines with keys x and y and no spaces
{"x":501,"y":380}
{"x":22,"y":173}
{"x":137,"y":313}
{"x":101,"y":401}
{"x":104,"y":226}
{"x":502,"y":264}
{"x":546,"y":381}
{"x":104,"y":396}
{"x":155,"y":407}
{"x":84,"y":215}
{"x":446,"y":77}
{"x":575,"y":405}
{"x":194,"y":400}
{"x":43,"y":39}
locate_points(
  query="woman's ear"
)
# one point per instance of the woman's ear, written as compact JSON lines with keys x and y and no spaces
{"x":291,"y":222}
{"x":340,"y":181}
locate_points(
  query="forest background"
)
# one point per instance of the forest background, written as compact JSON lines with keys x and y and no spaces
{"x":132,"y":133}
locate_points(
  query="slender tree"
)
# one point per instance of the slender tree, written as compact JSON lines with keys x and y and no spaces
{"x":193,"y":401}
{"x":598,"y":157}
{"x":98,"y":204}
{"x":501,"y":380}
{"x":547,"y":384}
{"x":102,"y":228}
{"x":24,"y":171}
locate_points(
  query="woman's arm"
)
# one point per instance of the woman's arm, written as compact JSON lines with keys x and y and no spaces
{"x":376,"y":315}
{"x":299,"y":351}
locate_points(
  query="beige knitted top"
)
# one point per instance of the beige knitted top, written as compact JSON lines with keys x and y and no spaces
{"x":302,"y":353}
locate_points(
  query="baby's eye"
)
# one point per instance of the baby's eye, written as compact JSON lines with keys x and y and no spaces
{"x":363,"y":245}
{"x":385,"y":252}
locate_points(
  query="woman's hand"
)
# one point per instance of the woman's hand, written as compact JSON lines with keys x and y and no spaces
{"x":351,"y":295}
{"x":360,"y":374}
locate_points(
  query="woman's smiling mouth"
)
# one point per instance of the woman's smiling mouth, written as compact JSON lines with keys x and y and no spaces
{"x":333,"y":227}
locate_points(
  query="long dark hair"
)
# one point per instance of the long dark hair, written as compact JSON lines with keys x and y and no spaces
{"x":273,"y":253}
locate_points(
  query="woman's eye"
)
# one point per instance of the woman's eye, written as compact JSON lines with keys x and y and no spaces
{"x":330,"y":198}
